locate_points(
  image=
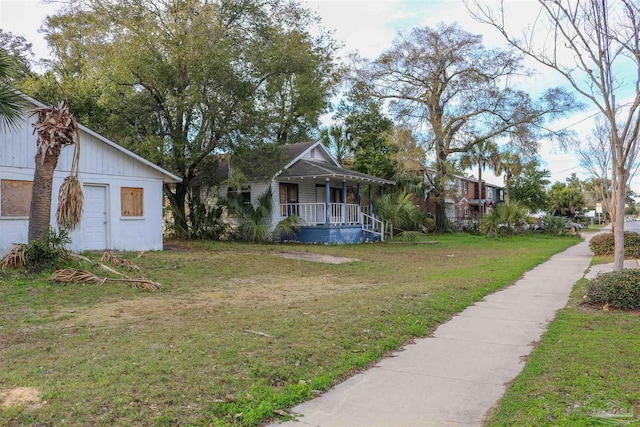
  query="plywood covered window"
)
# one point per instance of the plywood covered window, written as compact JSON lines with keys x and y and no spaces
{"x":131,"y":201}
{"x":15,"y":198}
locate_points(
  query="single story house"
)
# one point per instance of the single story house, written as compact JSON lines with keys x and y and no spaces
{"x":122,"y":191}
{"x":327,"y":198}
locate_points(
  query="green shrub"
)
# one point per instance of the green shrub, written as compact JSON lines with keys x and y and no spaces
{"x":428,"y":223}
{"x":400,"y":210}
{"x":507,"y":218}
{"x":556,"y":225}
{"x":47,"y":252}
{"x":619,"y":289}
{"x":602,"y":244}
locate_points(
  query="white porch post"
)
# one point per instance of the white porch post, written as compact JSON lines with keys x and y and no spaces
{"x":371,"y":199}
{"x":344,"y":202}
{"x":327,"y":201}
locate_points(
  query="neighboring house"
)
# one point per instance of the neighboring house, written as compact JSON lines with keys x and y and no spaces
{"x":463,"y":200}
{"x":122,"y":191}
{"x":468,"y":201}
{"x":326,"y":197}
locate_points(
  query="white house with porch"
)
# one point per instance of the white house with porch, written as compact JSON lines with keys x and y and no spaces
{"x":326,"y":197}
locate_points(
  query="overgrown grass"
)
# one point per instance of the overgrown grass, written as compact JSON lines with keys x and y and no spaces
{"x":586,"y":372}
{"x":112,"y":355}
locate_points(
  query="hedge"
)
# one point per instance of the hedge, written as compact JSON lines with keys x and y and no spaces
{"x":619,"y":289}
{"x":602,"y":244}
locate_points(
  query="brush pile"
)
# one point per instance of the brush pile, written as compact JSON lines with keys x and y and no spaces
{"x":72,"y":275}
{"x":112,"y":258}
{"x":15,"y":257}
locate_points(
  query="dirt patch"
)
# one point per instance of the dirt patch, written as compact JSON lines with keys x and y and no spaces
{"x":309,"y":256}
{"x":21,"y":396}
{"x":164,"y":309}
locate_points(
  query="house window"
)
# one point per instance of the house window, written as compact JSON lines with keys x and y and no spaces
{"x":466,"y":212}
{"x":131,"y":201}
{"x":288,"y":193}
{"x":15,"y":198}
{"x":244,"y":194}
{"x":288,"y":199}
{"x":465,"y":188}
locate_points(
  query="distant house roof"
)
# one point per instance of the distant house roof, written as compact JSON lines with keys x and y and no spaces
{"x":294,"y":165}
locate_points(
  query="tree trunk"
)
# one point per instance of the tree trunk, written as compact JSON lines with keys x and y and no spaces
{"x":41,"y":193}
{"x":618,"y":220}
{"x":507,"y":196}
{"x":480,"y":205}
{"x":178,"y":203}
{"x":440,"y":193}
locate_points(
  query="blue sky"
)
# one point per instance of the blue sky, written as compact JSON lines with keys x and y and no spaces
{"x":369,"y":27}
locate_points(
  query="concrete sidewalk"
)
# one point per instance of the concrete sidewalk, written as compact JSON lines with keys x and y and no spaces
{"x":456,"y":376}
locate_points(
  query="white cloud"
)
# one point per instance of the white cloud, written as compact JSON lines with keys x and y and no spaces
{"x":24,"y":18}
{"x":369,"y":26}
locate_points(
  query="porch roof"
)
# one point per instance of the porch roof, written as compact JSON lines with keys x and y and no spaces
{"x":310,"y":169}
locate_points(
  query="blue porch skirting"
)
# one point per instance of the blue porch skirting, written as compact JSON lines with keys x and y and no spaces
{"x":333,"y":234}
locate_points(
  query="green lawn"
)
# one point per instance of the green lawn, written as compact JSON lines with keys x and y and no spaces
{"x":586,"y":372}
{"x":111,"y":355}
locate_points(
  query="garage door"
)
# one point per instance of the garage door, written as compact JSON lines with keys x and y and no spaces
{"x":93,"y":227}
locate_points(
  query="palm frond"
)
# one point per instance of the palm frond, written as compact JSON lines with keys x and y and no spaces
{"x":11,"y":101}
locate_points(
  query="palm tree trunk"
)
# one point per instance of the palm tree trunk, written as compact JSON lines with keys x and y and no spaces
{"x":41,"y":193}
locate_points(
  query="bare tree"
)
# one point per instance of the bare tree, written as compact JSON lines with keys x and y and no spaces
{"x":595,"y":159}
{"x":444,"y":82}
{"x":595,"y":46}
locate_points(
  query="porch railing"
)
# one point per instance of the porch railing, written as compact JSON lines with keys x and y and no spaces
{"x":374,"y":225}
{"x":315,"y":213}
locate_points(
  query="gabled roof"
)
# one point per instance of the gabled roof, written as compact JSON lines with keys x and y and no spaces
{"x":297,"y":151}
{"x":171,"y":177}
{"x":309,"y":169}
{"x":295,"y":164}
{"x":300,"y":168}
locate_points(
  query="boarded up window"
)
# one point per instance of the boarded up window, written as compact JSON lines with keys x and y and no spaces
{"x":131,"y":201}
{"x":16,"y":197}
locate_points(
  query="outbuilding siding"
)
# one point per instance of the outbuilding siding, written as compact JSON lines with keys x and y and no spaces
{"x":102,"y":164}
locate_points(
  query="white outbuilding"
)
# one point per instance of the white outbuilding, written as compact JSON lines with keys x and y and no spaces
{"x":122,"y":191}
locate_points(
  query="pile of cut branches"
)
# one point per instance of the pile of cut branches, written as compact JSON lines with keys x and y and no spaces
{"x":112,"y":258}
{"x":72,"y":275}
{"x":15,"y":257}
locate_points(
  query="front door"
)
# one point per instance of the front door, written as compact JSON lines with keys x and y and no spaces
{"x":93,"y":227}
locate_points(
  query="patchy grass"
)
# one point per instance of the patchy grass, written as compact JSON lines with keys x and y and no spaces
{"x":237,"y":332}
{"x":586,"y":372}
{"x":593,"y":227}
{"x":601,"y":259}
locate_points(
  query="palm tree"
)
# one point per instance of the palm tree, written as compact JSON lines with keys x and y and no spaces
{"x":400,"y":210}
{"x":254,"y":221}
{"x":11,"y":102}
{"x":512,"y":166}
{"x":336,"y":139}
{"x":56,"y":128}
{"x":507,"y":218}
{"x":482,"y":155}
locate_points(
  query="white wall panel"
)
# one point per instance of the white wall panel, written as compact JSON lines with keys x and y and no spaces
{"x":100,"y":164}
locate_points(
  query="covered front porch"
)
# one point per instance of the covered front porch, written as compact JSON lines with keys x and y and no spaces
{"x":334,"y":206}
